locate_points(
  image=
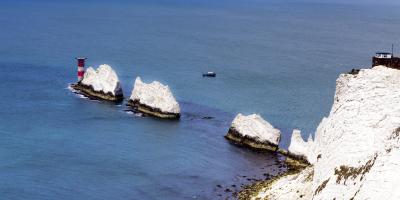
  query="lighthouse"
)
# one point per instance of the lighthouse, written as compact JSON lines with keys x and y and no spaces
{"x":81,"y":65}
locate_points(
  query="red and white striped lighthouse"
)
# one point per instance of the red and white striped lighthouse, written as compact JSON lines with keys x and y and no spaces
{"x":81,"y":70}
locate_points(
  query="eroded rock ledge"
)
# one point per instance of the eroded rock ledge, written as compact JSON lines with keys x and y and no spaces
{"x":88,"y":91}
{"x":156,"y":112}
{"x":237,"y":138}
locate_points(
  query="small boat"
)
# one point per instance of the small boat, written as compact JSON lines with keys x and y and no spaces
{"x":209,"y":74}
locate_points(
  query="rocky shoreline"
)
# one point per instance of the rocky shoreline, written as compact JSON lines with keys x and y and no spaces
{"x":252,"y":190}
{"x":294,"y":165}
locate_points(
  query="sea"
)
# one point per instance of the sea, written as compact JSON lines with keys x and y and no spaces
{"x":276,"y":58}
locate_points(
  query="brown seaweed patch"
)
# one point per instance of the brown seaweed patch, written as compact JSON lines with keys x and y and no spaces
{"x":395,"y":134}
{"x":252,"y":190}
{"x":355,"y":194}
{"x":293,"y":161}
{"x":321,"y":187}
{"x":296,"y":164}
{"x":345,"y":172}
{"x":310,"y":176}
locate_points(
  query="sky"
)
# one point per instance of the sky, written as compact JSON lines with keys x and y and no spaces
{"x":382,"y":2}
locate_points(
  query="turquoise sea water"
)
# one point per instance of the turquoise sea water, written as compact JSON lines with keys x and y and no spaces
{"x":276,"y":58}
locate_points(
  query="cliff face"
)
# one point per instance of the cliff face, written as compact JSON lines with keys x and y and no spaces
{"x":356,"y":153}
{"x":358,"y":143}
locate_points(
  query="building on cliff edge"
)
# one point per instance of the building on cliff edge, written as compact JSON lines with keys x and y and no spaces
{"x":386,"y":59}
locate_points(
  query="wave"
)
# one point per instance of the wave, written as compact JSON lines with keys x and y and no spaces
{"x":78,"y":94}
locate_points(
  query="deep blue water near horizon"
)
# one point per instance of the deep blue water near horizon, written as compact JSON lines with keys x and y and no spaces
{"x":278,"y":59}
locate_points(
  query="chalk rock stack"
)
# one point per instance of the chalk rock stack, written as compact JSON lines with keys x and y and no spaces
{"x":253,"y":131}
{"x":102,"y":83}
{"x":154,"y":99}
{"x":300,"y":149}
{"x":357,"y":147}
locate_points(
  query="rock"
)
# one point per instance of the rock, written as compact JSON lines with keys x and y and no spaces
{"x":299,"y":149}
{"x":154,"y":99}
{"x":102,"y":84}
{"x":253,"y":131}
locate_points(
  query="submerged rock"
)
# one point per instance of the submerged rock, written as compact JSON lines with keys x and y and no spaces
{"x":102,"y":83}
{"x":154,"y":99}
{"x":253,"y":131}
{"x":356,"y":153}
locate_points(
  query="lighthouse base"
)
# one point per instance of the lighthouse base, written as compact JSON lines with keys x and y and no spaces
{"x":89,"y":92}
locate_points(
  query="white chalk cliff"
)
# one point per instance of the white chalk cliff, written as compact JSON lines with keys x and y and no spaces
{"x":356,"y":149}
{"x":255,"y":127}
{"x":155,"y":95}
{"x":103,"y":79}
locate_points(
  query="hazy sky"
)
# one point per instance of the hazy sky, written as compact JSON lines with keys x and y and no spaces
{"x":388,"y":2}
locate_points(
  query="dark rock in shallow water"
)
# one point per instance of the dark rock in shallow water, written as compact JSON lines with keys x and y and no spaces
{"x":354,"y":71}
{"x":155,"y":112}
{"x":237,"y":138}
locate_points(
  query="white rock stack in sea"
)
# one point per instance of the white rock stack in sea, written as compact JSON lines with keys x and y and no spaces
{"x":154,"y":99}
{"x":300,"y":149}
{"x":356,"y":149}
{"x":102,"y":83}
{"x":253,"y":131}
